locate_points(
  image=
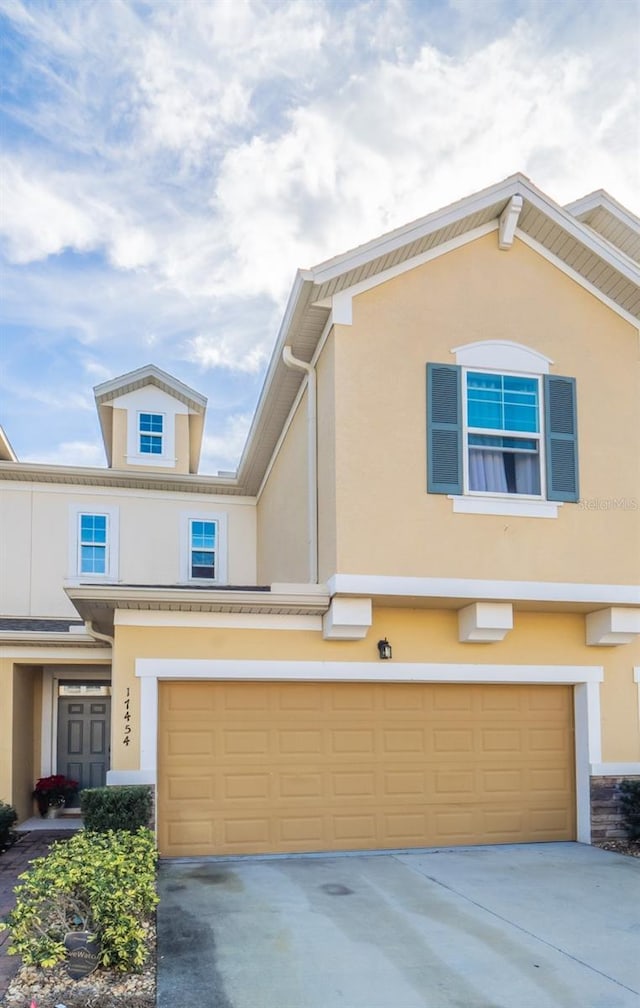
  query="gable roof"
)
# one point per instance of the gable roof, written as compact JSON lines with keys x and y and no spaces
{"x":594,"y":259}
{"x":610,"y":220}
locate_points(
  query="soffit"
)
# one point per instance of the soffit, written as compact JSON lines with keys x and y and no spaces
{"x":34,"y":472}
{"x":97,"y":604}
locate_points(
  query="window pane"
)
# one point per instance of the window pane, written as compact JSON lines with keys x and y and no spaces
{"x":203,"y":534}
{"x":151,"y":422}
{"x":203,"y":565}
{"x":502,"y":402}
{"x":93,"y":559}
{"x":150,"y":444}
{"x":93,"y":528}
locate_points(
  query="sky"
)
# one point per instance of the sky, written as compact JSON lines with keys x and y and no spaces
{"x":167,"y":165}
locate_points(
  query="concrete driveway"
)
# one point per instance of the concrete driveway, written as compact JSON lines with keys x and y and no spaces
{"x":533,"y":926}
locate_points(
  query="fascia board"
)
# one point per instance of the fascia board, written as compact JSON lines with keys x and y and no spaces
{"x":113,"y":596}
{"x":332,"y":268}
{"x":515,"y":185}
{"x":600,"y":199}
{"x":149,"y":372}
{"x":42,"y":472}
{"x":583,"y":234}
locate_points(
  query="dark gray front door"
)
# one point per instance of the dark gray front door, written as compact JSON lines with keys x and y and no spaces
{"x":83,"y":738}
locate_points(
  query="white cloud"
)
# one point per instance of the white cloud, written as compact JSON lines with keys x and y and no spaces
{"x":169,"y":166}
{"x":73,"y":453}
{"x":221,"y":450}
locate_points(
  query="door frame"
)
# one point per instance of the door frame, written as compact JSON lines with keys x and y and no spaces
{"x":52,"y":675}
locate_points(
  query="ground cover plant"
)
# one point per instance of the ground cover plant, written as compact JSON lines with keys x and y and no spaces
{"x":103,"y":883}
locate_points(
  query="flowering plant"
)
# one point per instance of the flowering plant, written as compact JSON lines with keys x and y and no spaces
{"x":54,"y":790}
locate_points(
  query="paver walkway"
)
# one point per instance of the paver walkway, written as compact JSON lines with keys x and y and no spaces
{"x":12,"y":863}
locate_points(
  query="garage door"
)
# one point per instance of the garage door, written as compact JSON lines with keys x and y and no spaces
{"x":248,"y":768}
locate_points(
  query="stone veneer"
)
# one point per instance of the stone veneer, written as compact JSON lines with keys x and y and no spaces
{"x":606,"y":821}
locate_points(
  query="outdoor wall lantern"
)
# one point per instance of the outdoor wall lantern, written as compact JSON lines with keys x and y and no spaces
{"x":384,"y":648}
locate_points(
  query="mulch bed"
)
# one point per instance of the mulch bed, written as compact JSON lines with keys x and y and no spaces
{"x":629,"y":847}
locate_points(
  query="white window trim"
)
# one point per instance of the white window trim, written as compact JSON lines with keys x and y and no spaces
{"x":585,"y":679}
{"x":490,"y":504}
{"x":186,"y":517}
{"x":113,"y":540}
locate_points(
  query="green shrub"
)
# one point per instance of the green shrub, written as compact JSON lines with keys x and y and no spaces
{"x":98,"y":882}
{"x":116,"y":808}
{"x":8,"y":819}
{"x":630,"y":805}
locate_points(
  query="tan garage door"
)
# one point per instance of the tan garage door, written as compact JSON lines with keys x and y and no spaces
{"x":248,"y":768}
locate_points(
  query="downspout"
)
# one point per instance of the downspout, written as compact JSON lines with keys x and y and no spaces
{"x":312,"y":454}
{"x":88,"y":625}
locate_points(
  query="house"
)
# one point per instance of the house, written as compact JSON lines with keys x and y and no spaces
{"x":412,"y":616}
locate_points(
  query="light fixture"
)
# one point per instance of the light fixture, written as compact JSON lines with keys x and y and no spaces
{"x":384,"y":648}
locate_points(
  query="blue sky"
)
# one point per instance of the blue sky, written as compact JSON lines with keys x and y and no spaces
{"x":167,"y":165}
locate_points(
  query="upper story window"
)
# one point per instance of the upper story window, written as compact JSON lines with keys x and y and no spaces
{"x":203,"y":554}
{"x":501,"y":442}
{"x":500,"y":409}
{"x":151,"y":432}
{"x":203,"y":549}
{"x":93,"y":544}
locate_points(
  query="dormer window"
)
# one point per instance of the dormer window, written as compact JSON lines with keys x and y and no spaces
{"x":151,"y":431}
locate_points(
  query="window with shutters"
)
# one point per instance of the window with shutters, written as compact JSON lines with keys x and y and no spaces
{"x":502,"y":433}
{"x":497,"y":435}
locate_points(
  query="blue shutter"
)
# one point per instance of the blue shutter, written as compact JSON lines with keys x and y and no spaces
{"x":444,"y":429}
{"x":561,"y":438}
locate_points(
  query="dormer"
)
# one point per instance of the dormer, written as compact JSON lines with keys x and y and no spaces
{"x":150,"y":420}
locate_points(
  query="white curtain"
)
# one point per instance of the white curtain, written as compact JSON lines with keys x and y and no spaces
{"x":527,"y":474}
{"x":487,"y":472}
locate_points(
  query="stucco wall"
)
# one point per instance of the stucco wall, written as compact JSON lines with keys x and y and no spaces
{"x":38,"y":534}
{"x":387,"y":523}
{"x":283,"y":551}
{"x":26,"y":683}
{"x":417,"y":635}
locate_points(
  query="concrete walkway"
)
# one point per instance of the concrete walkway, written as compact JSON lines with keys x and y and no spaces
{"x":531,"y":926}
{"x":13,"y":862}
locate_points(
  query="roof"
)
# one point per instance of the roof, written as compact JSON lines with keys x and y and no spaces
{"x":149,"y":375}
{"x":610,"y":220}
{"x":7,"y":453}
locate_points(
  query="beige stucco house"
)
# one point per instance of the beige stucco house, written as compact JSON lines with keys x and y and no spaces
{"x":445,"y":459}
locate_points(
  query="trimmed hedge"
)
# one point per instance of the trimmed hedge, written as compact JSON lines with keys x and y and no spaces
{"x":103,"y":883}
{"x":630,"y":806}
{"x":126,"y":807}
{"x":8,"y":819}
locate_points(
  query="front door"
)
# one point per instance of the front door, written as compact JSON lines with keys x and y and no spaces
{"x":84,"y":715}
